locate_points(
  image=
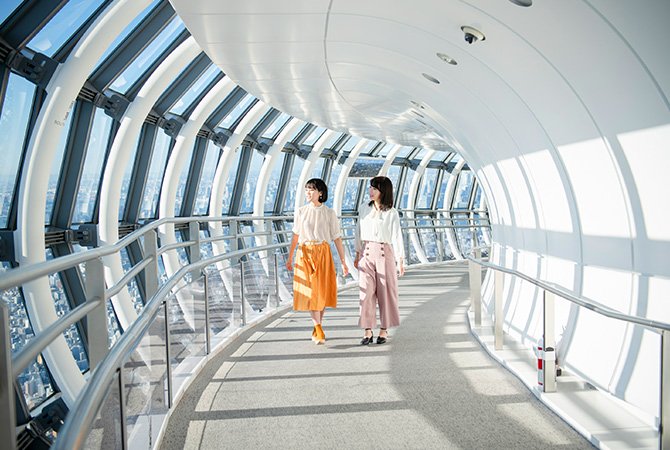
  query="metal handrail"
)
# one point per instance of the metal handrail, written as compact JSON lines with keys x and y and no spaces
{"x":72,"y":435}
{"x":581,"y":301}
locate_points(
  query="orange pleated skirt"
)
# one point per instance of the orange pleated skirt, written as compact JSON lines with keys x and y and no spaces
{"x":314,"y":278}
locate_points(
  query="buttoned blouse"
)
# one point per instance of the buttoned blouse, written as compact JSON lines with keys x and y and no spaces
{"x":379,"y":226}
{"x":316,"y":223}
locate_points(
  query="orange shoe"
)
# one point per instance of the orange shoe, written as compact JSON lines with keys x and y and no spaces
{"x":320,"y":337}
{"x":314,"y":334}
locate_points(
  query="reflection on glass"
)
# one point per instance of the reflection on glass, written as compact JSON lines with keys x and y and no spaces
{"x":62,"y":306}
{"x":90,"y":177}
{"x":273,"y":184}
{"x":205,"y":185}
{"x":230,"y":181}
{"x":34,"y":382}
{"x":63,"y":26}
{"x":250,"y":183}
{"x":196,"y":89}
{"x":235,"y":114}
{"x":273,"y":130}
{"x":13,"y":122}
{"x":155,"y":177}
{"x":293,"y":189}
{"x":148,"y":56}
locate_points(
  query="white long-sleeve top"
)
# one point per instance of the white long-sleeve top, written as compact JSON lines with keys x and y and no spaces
{"x":316,"y":223}
{"x":379,"y":226}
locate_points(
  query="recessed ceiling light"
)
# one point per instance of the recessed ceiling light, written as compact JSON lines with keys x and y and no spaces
{"x":431,"y":78}
{"x":524,"y":3}
{"x":446,"y":58}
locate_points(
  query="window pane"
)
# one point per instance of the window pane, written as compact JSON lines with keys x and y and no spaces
{"x":7,"y":7}
{"x":181,"y":184}
{"x":250,"y":182}
{"x":293,"y":189}
{"x":90,"y":177}
{"x":34,"y":382}
{"x":335,"y":171}
{"x":133,"y":289}
{"x":56,"y":167}
{"x":205,"y":185}
{"x":405,"y":188}
{"x":385,"y":150}
{"x":125,"y":183}
{"x":427,"y":188}
{"x":13,"y":123}
{"x":273,"y":184}
{"x":230,"y":182}
{"x":351,"y":195}
{"x":350,"y":144}
{"x":367,"y":148}
{"x":241,"y":107}
{"x":196,"y":89}
{"x":393,"y":174}
{"x":443,"y":190}
{"x":148,"y":56}
{"x":317,"y":171}
{"x":314,"y":135}
{"x":404,"y":152}
{"x":332,"y":139}
{"x":272,"y":131}
{"x":462,"y":196}
{"x":62,"y":304}
{"x":63,"y":26}
{"x":155,"y":177}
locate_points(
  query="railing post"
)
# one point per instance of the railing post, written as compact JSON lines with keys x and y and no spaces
{"x":151,"y":271}
{"x":194,"y":236}
{"x":7,"y":402}
{"x":276,"y":264}
{"x":243,"y":309}
{"x":96,"y":320}
{"x":208,"y":340}
{"x":122,"y":410}
{"x":168,"y":354}
{"x":476,"y":287}
{"x":664,"y":414}
{"x":549,"y":357}
{"x":234,"y":244}
{"x":498,"y":311}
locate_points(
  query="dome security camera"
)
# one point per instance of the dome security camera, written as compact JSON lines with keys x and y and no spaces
{"x":472,"y":35}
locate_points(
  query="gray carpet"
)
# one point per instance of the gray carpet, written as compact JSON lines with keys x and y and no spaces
{"x":429,"y":386}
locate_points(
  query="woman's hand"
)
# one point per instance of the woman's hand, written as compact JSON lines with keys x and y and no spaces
{"x":401,"y":267}
{"x":289,"y":264}
{"x":345,"y":269}
{"x":356,"y":259}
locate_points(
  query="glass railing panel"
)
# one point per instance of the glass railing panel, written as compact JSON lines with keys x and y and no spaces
{"x":186,"y":309}
{"x":145,"y":382}
{"x":106,"y":431}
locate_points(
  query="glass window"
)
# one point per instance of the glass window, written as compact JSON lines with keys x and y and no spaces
{"x":152,"y":189}
{"x":13,"y":123}
{"x":230,"y":181}
{"x":349,"y":202}
{"x":335,"y":171}
{"x":133,"y":289}
{"x":272,"y":131}
{"x":34,"y":382}
{"x":317,"y":170}
{"x":443,"y":191}
{"x":56,"y":167}
{"x":124,"y":81}
{"x":427,"y":188}
{"x":404,"y":152}
{"x":63,"y":26}
{"x":90,"y":177}
{"x":314,"y":136}
{"x":385,"y":150}
{"x":122,"y":36}
{"x":367,"y":148}
{"x":334,"y":137}
{"x":295,"y":132}
{"x":235,"y":114}
{"x":181,"y":184}
{"x":205,"y":185}
{"x":273,"y":184}
{"x":462,"y":195}
{"x":420,"y":154}
{"x":195,"y":90}
{"x":393,"y":174}
{"x":125,"y":183}
{"x":405,"y":188}
{"x":62,"y":305}
{"x":350,"y":144}
{"x":7,"y":7}
{"x":251,"y":181}
{"x":293,"y":189}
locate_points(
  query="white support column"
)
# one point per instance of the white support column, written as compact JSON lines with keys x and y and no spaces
{"x":390,"y":156}
{"x":62,"y":92}
{"x":411,"y":204}
{"x":498,"y":310}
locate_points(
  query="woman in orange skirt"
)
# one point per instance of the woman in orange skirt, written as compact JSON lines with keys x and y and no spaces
{"x":314,"y":279}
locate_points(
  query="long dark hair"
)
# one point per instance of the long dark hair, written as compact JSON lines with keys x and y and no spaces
{"x":319,"y":185}
{"x":385,"y":188}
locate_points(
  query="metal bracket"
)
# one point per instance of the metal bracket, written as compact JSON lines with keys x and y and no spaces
{"x":113,"y":104}
{"x":171,"y":124}
{"x":87,"y":235}
{"x":34,"y":67}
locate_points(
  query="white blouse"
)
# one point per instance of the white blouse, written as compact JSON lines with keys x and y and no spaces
{"x":379,"y":226}
{"x":316,"y":223}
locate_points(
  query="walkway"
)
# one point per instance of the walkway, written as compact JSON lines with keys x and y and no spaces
{"x":430,"y":386}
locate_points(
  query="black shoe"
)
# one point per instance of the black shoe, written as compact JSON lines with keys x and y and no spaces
{"x":381,"y":340}
{"x":367,"y":339}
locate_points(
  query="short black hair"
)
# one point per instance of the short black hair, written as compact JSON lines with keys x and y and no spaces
{"x":319,"y":185}
{"x":385,"y":187}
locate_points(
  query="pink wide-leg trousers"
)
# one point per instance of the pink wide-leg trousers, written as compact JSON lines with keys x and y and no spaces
{"x":378,"y":281}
